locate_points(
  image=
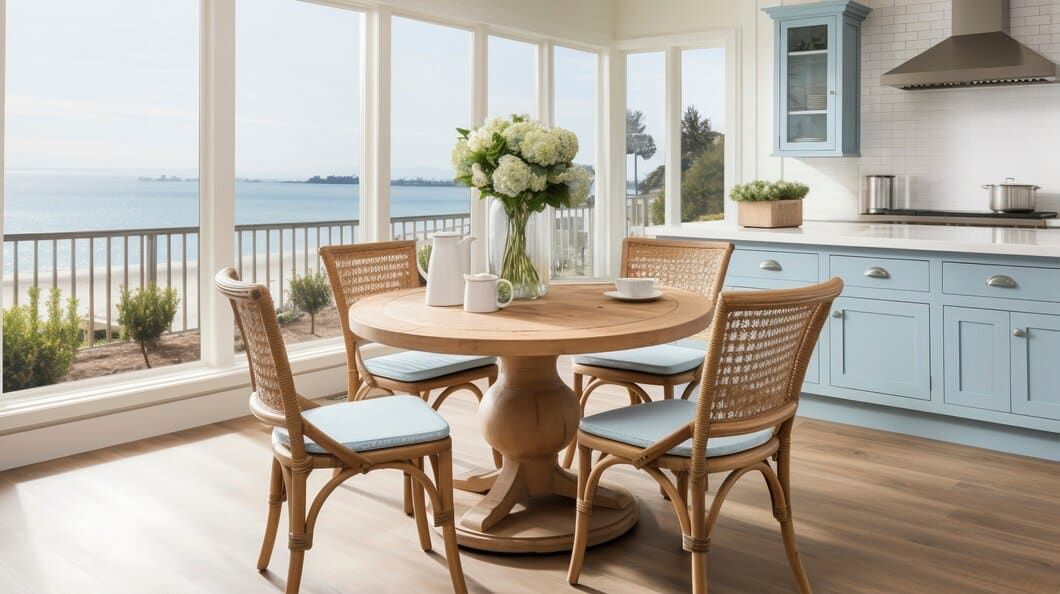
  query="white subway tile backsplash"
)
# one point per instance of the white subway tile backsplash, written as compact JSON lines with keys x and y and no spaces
{"x":946,"y":142}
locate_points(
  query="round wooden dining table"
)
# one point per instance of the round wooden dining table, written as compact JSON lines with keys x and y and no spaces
{"x":530,"y":414}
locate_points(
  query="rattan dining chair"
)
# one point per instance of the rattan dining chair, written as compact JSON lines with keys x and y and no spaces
{"x":759,"y":346}
{"x":692,"y":265}
{"x":361,"y":270}
{"x":350,"y":438}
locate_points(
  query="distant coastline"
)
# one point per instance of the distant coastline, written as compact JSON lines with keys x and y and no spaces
{"x":316,"y":179}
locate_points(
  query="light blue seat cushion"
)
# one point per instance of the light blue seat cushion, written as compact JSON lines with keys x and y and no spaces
{"x":418,"y":366}
{"x":660,"y":359}
{"x":373,"y":424}
{"x":644,"y":424}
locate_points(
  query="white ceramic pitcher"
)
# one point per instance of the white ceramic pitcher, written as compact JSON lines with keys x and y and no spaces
{"x":480,"y":293}
{"x":450,"y":260}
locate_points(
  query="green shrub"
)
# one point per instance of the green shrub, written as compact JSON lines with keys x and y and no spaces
{"x":38,"y":352}
{"x":758,"y":191}
{"x":311,"y":293}
{"x":146,"y":314}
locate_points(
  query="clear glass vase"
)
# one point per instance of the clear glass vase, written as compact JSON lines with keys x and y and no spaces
{"x":514,"y":251}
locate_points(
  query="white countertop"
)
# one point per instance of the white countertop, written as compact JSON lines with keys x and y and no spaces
{"x":978,"y":240}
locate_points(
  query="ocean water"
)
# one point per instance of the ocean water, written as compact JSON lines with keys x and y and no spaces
{"x":43,"y":203}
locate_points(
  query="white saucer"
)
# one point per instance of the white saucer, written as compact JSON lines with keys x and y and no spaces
{"x":619,"y":296}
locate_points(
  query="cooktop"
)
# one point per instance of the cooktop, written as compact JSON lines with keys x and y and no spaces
{"x":919,"y":212}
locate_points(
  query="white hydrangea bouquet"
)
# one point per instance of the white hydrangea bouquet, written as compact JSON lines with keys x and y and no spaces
{"x":526,"y":166}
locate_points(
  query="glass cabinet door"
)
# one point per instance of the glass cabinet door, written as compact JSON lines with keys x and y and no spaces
{"x":806,"y":67}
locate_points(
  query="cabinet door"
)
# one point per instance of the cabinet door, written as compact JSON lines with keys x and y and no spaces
{"x":806,"y":97}
{"x":976,"y":346}
{"x":881,"y":346}
{"x":1036,"y":365}
{"x":813,"y":372}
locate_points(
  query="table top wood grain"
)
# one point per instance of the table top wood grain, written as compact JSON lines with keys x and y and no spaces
{"x":570,"y":319}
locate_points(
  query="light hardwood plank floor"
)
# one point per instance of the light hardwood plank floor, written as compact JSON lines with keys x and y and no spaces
{"x":875,"y":512}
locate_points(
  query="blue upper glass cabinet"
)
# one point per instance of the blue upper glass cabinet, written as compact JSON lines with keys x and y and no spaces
{"x":817,"y":72}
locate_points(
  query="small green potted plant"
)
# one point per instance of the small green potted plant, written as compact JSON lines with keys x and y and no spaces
{"x":769,"y":204}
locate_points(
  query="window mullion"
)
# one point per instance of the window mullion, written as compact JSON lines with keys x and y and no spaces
{"x":673,"y":136}
{"x":375,"y":125}
{"x":216,"y":174}
{"x":613,"y":156}
{"x":479,"y":109}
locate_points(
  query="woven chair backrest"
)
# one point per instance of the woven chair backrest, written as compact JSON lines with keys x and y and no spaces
{"x":760,"y":345}
{"x":270,"y":370}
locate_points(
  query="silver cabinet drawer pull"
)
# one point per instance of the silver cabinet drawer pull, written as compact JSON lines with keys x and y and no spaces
{"x":1002,"y":281}
{"x":877,"y":272}
{"x":770,"y":265}
{"x":1019,"y":332}
{"x":837,"y":313}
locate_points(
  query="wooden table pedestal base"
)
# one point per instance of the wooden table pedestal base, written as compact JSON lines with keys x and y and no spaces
{"x":529,"y":415}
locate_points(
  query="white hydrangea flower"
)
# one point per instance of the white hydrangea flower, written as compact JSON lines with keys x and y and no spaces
{"x":461,"y":158}
{"x":567,"y":143}
{"x":541,"y":147}
{"x":512,"y":176}
{"x":515,"y":133}
{"x":579,"y":181}
{"x":481,"y":138}
{"x":478,"y":176}
{"x":538,"y":182}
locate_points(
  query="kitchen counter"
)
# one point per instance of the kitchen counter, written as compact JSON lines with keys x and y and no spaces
{"x":942,"y":238}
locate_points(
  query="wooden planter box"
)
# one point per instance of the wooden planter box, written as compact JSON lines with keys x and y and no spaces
{"x":771,"y":213}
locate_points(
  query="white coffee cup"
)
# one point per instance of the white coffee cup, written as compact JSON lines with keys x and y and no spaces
{"x":635,"y":288}
{"x":480,"y":293}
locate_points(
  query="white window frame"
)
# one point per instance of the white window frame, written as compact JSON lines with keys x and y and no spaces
{"x":672,"y":46}
{"x":220,"y":369}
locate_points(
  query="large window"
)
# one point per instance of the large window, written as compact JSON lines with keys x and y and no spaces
{"x":512,"y":77}
{"x":645,"y":139}
{"x":101,"y":184}
{"x":575,"y":108}
{"x":430,"y":99}
{"x":702,"y":134}
{"x":298,"y":144}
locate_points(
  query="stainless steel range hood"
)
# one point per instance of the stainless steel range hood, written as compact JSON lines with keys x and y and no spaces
{"x":980,"y":53}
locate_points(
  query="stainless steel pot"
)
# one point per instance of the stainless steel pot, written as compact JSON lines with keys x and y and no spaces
{"x":1012,"y":197}
{"x":879,"y":193}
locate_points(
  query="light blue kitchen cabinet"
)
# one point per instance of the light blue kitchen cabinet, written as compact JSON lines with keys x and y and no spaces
{"x":817,"y":78}
{"x":881,"y":346}
{"x":976,"y":357}
{"x":1036,"y":365}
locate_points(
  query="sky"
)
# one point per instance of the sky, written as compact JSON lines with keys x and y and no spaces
{"x":112,"y":86}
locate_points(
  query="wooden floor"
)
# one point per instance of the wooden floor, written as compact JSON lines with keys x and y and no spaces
{"x":875,"y":513}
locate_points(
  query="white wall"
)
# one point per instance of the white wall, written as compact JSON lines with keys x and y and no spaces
{"x":947,"y":142}
{"x":584,"y":21}
{"x":638,"y":18}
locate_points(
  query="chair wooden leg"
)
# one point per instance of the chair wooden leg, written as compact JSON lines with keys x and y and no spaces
{"x":298,"y":540}
{"x":419,"y":510}
{"x":581,"y":523}
{"x":782,"y":508}
{"x":668,"y":391}
{"x":699,"y":573}
{"x":272,"y":524}
{"x":406,"y":495}
{"x":443,"y":464}
{"x":579,"y":386}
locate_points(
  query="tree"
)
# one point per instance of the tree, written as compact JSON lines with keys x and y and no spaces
{"x":702,"y":171}
{"x":638,"y":143}
{"x":311,"y":293}
{"x":146,"y":314}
